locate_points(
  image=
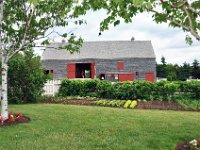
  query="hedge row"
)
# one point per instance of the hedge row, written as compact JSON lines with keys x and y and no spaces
{"x":163,"y":90}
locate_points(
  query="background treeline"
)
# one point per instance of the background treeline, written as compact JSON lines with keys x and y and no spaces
{"x":178,"y":72}
{"x":163,"y":90}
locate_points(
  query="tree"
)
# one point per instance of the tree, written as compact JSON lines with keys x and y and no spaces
{"x":161,"y":68}
{"x":184,"y":71}
{"x":171,"y":72}
{"x":163,"y":61}
{"x":22,"y":22}
{"x":195,"y":69}
{"x":26,"y":78}
{"x":183,"y":14}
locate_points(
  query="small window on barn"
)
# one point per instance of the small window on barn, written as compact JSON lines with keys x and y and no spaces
{"x":102,"y":76}
{"x":48,"y":71}
{"x":120,"y":65}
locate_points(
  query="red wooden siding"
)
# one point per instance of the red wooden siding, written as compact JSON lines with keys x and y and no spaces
{"x":149,"y":76}
{"x":126,"y":77}
{"x":71,"y":71}
{"x":120,"y":65}
{"x":92,"y":70}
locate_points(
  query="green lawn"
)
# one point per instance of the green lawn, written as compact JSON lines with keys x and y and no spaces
{"x":67,"y":127}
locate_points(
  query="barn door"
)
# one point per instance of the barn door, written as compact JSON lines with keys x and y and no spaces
{"x":149,"y":76}
{"x":92,"y":70}
{"x":71,"y":71}
{"x":126,"y":77}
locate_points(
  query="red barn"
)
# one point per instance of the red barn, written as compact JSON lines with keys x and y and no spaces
{"x":109,"y":60}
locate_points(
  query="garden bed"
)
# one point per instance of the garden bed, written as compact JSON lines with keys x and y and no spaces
{"x":162,"y":105}
{"x":70,"y":101}
{"x":22,"y":119}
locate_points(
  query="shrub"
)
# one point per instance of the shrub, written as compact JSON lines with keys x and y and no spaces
{"x":195,"y":89}
{"x":89,"y":87}
{"x":71,"y":88}
{"x":26,"y":78}
{"x":170,"y":89}
{"x":159,"y":92}
{"x":127,"y":104}
{"x":113,"y":103}
{"x":124,"y":90}
{"x":143,"y":89}
{"x":104,"y":89}
{"x":133,"y":104}
{"x":163,"y":90}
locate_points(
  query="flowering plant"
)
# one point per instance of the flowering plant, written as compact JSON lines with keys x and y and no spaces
{"x":11,"y":118}
{"x":1,"y":119}
{"x":19,"y":115}
{"x":195,"y":144}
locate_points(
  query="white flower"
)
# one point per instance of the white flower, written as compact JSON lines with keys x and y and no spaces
{"x":193,"y":142}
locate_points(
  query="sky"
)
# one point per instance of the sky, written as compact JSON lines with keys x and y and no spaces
{"x":167,"y":41}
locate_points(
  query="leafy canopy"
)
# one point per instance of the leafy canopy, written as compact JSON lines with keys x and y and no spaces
{"x":25,"y":21}
{"x":182,"y":14}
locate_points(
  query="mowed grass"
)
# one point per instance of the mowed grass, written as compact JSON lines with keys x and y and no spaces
{"x":68,"y":127}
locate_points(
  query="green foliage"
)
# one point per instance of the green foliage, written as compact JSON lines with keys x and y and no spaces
{"x":189,"y":104}
{"x":178,"y":72}
{"x":89,"y":87}
{"x":71,"y":88}
{"x":170,"y":88}
{"x":104,"y":89}
{"x":127,"y":104}
{"x":174,"y":13}
{"x":111,"y":103}
{"x":26,"y":78}
{"x":143,"y":89}
{"x":195,"y":69}
{"x":124,"y":90}
{"x":162,"y":90}
{"x":194,"y":88}
{"x":133,"y":104}
{"x":29,"y":20}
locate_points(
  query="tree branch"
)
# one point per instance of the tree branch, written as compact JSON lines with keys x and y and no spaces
{"x":27,"y":25}
{"x":193,"y":10}
{"x":171,"y":20}
{"x":192,"y":31}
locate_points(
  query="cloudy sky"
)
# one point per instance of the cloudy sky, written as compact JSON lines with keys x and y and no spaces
{"x":167,"y":41}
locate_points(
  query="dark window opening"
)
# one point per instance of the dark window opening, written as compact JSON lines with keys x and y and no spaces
{"x":48,"y":72}
{"x":102,"y":77}
{"x":83,"y":70}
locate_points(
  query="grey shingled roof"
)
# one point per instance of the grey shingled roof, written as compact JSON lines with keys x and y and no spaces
{"x":103,"y":50}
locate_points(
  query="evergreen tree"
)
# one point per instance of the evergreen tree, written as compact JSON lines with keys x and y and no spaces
{"x":195,"y":69}
{"x":161,"y":68}
{"x":163,"y":61}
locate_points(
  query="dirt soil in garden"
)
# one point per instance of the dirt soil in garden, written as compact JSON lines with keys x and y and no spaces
{"x":23,"y":119}
{"x":71,"y":101}
{"x":162,"y":105}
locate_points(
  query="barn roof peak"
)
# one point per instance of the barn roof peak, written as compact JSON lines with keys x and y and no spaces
{"x":102,"y":50}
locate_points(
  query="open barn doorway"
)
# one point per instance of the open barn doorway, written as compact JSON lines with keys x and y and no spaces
{"x":83,"y":70}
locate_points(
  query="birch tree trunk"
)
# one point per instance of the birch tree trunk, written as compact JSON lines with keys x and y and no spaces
{"x":4,"y":88}
{"x":4,"y":71}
